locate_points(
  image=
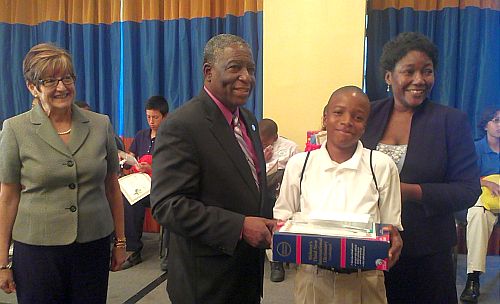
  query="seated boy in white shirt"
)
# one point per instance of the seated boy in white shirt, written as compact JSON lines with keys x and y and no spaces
{"x":277,"y":152}
{"x":337,"y":178}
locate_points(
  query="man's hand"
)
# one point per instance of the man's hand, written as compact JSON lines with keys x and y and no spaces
{"x":268,"y":153}
{"x":396,"y":245}
{"x":257,"y":231}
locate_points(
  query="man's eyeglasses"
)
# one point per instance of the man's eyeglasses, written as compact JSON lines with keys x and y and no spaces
{"x":53,"y":82}
{"x":495,"y":120}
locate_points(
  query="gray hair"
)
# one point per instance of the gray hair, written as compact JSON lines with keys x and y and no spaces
{"x":216,"y":45}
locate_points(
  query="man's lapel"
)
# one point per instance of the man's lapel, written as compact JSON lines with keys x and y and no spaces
{"x":252,"y":131}
{"x":225,"y":136}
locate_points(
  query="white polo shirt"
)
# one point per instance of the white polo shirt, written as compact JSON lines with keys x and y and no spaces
{"x":341,"y":188}
{"x":283,"y":149}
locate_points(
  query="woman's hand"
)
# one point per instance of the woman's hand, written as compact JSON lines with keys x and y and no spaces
{"x":396,"y":245}
{"x":118,"y":257}
{"x":7,"y":281}
{"x":410,"y":192}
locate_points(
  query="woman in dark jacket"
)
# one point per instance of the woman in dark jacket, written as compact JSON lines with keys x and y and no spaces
{"x":433,"y":148}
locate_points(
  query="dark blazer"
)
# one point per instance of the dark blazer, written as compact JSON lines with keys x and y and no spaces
{"x":202,"y":189}
{"x":441,"y":158}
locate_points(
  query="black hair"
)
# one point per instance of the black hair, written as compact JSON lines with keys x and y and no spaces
{"x":268,"y":127}
{"x":487,"y":115}
{"x":158,"y":103}
{"x":404,"y":43}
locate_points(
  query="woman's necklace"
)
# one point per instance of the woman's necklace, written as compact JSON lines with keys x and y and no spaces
{"x":64,"y":132}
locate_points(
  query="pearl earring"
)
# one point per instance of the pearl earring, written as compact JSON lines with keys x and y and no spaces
{"x":388,"y":88}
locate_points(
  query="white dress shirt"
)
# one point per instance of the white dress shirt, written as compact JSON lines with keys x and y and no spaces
{"x":283,"y":149}
{"x":348,"y":187}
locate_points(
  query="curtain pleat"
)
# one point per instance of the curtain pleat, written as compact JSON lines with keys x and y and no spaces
{"x":163,"y":50}
{"x":139,"y":10}
{"x":467,"y":36}
{"x":84,"y":27}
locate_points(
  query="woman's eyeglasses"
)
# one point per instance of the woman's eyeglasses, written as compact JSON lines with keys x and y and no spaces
{"x":53,"y":82}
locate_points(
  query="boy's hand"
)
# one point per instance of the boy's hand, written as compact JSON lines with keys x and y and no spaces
{"x":268,"y":153}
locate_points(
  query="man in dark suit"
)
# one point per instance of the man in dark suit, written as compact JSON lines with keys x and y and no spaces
{"x":208,"y":185}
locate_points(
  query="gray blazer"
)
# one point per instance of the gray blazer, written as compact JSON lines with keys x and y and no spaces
{"x":63,"y":198}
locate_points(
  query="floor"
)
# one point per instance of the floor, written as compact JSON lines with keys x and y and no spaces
{"x":145,"y":283}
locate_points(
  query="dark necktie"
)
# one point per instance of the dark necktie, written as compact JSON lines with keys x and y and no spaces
{"x":244,"y":147}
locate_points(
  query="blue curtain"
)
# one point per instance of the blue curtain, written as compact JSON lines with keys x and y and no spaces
{"x":121,"y":63}
{"x":165,"y":57}
{"x":468,"y":40}
{"x":95,"y":52}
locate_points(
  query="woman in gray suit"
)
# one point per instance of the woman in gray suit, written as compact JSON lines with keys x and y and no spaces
{"x":60,"y":198}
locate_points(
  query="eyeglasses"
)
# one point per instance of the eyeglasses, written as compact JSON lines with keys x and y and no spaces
{"x":53,"y":82}
{"x":496,"y":120}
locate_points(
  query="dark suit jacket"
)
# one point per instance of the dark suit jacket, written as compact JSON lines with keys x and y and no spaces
{"x":441,"y":158}
{"x":202,"y":189}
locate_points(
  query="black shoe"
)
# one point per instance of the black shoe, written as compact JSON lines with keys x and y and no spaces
{"x":134,"y":259}
{"x":164,"y":263}
{"x":277,"y":272}
{"x":471,"y":292}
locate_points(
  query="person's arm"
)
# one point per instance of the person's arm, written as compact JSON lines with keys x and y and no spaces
{"x":460,"y":188}
{"x":411,"y":192}
{"x":494,"y":187}
{"x":390,"y":207}
{"x":9,"y":202}
{"x":288,"y":201}
{"x":396,"y":246}
{"x":390,"y":194}
{"x":295,"y":150}
{"x":132,"y":150}
{"x":10,"y":194}
{"x":144,"y":164}
{"x":114,"y":196}
{"x":143,"y":167}
{"x":268,"y":153}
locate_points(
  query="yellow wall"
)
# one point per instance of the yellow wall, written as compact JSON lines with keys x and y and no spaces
{"x":311,"y":47}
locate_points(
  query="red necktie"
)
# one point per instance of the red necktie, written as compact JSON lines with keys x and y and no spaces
{"x":244,"y":147}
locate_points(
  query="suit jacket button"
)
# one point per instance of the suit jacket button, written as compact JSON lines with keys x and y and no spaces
{"x":70,"y":163}
{"x":72,"y":208}
{"x":72,"y":186}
